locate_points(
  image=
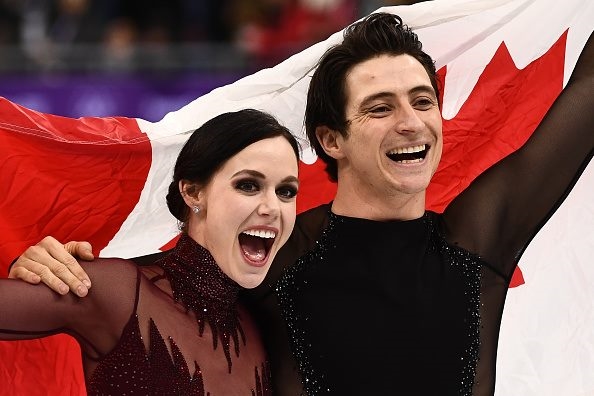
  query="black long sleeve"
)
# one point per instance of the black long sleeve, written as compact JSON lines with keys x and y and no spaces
{"x":515,"y":197}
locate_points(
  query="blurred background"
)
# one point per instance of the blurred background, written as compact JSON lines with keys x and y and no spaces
{"x":144,"y":58}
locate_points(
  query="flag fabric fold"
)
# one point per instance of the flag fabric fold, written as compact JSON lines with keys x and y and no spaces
{"x":503,"y":62}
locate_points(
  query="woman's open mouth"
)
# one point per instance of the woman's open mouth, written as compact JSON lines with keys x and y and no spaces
{"x":256,"y":244}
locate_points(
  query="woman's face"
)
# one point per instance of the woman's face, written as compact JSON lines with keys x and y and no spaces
{"x":248,"y":210}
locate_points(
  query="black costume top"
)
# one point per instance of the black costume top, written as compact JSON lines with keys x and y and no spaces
{"x":414,"y":307}
{"x":174,"y":328}
{"x":405,"y":302}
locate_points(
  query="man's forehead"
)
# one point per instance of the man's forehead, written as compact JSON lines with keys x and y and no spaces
{"x":386,"y":76}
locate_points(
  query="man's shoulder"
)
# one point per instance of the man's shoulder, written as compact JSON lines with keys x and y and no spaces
{"x":309,"y":226}
{"x":311,"y":223}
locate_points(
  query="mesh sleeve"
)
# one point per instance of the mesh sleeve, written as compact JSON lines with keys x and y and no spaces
{"x":498,"y":215}
{"x":96,"y":321}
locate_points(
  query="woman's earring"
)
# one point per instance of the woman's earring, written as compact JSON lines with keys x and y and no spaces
{"x":196,"y":209}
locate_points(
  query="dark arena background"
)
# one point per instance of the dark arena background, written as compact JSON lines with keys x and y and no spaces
{"x":145,"y":58}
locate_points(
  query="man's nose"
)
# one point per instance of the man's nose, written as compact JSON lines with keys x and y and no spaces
{"x":408,"y":119}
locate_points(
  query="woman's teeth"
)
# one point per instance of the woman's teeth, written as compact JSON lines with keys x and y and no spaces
{"x":261,"y":233}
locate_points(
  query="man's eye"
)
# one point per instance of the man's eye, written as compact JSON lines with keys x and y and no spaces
{"x":248,"y":186}
{"x":424,"y":103}
{"x":286,"y":192}
{"x":380,"y":109}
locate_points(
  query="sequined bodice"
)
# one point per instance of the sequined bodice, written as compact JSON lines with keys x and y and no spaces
{"x":202,"y":287}
{"x":196,"y":342}
{"x":338,"y":299}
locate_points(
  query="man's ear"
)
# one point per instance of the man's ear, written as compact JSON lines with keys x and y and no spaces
{"x":330,"y":140}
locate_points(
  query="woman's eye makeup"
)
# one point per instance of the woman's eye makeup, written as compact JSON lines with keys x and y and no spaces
{"x":247,"y":185}
{"x":287,"y":191}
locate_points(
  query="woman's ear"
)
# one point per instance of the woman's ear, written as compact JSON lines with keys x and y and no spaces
{"x":191,"y":193}
{"x":330,"y":141}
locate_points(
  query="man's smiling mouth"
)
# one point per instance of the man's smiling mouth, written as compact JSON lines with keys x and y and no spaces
{"x":408,"y":155}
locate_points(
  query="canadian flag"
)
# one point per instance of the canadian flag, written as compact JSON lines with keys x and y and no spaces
{"x":503,"y":62}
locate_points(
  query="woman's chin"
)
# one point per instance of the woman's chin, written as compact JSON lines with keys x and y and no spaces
{"x":250,"y":281}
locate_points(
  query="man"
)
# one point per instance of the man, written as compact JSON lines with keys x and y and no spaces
{"x":386,"y":298}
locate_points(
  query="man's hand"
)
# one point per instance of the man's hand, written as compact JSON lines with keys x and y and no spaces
{"x":54,"y":264}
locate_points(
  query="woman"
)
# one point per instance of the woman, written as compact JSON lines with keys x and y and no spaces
{"x":176,"y":327}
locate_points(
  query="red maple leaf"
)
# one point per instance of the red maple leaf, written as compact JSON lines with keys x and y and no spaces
{"x":502,"y":111}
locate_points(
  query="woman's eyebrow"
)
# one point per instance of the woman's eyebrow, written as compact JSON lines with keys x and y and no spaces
{"x":250,"y":172}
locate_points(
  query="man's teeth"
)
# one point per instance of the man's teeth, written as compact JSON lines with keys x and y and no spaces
{"x":261,"y":233}
{"x":408,"y":150}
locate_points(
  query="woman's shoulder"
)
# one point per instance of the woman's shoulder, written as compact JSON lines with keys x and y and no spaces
{"x":109,"y":267}
{"x":110,"y":303}
{"x":112,"y":278}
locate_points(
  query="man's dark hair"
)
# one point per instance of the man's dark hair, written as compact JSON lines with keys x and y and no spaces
{"x":378,"y":34}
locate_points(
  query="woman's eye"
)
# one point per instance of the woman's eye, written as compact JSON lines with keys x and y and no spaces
{"x":286,"y":192}
{"x":248,"y":186}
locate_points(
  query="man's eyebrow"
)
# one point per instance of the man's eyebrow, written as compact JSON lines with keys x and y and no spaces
{"x":379,"y":95}
{"x":423,"y":88}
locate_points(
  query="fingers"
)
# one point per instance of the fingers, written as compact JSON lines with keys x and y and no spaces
{"x":82,"y":250}
{"x":24,"y":274}
{"x":44,"y":266}
{"x":55,"y":267}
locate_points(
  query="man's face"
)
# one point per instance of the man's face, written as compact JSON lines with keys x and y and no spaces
{"x":394,"y":140}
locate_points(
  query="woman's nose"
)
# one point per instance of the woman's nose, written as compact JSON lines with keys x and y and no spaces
{"x":269,"y":205}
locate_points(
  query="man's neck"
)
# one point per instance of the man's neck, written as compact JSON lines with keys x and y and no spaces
{"x":363,"y":204}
